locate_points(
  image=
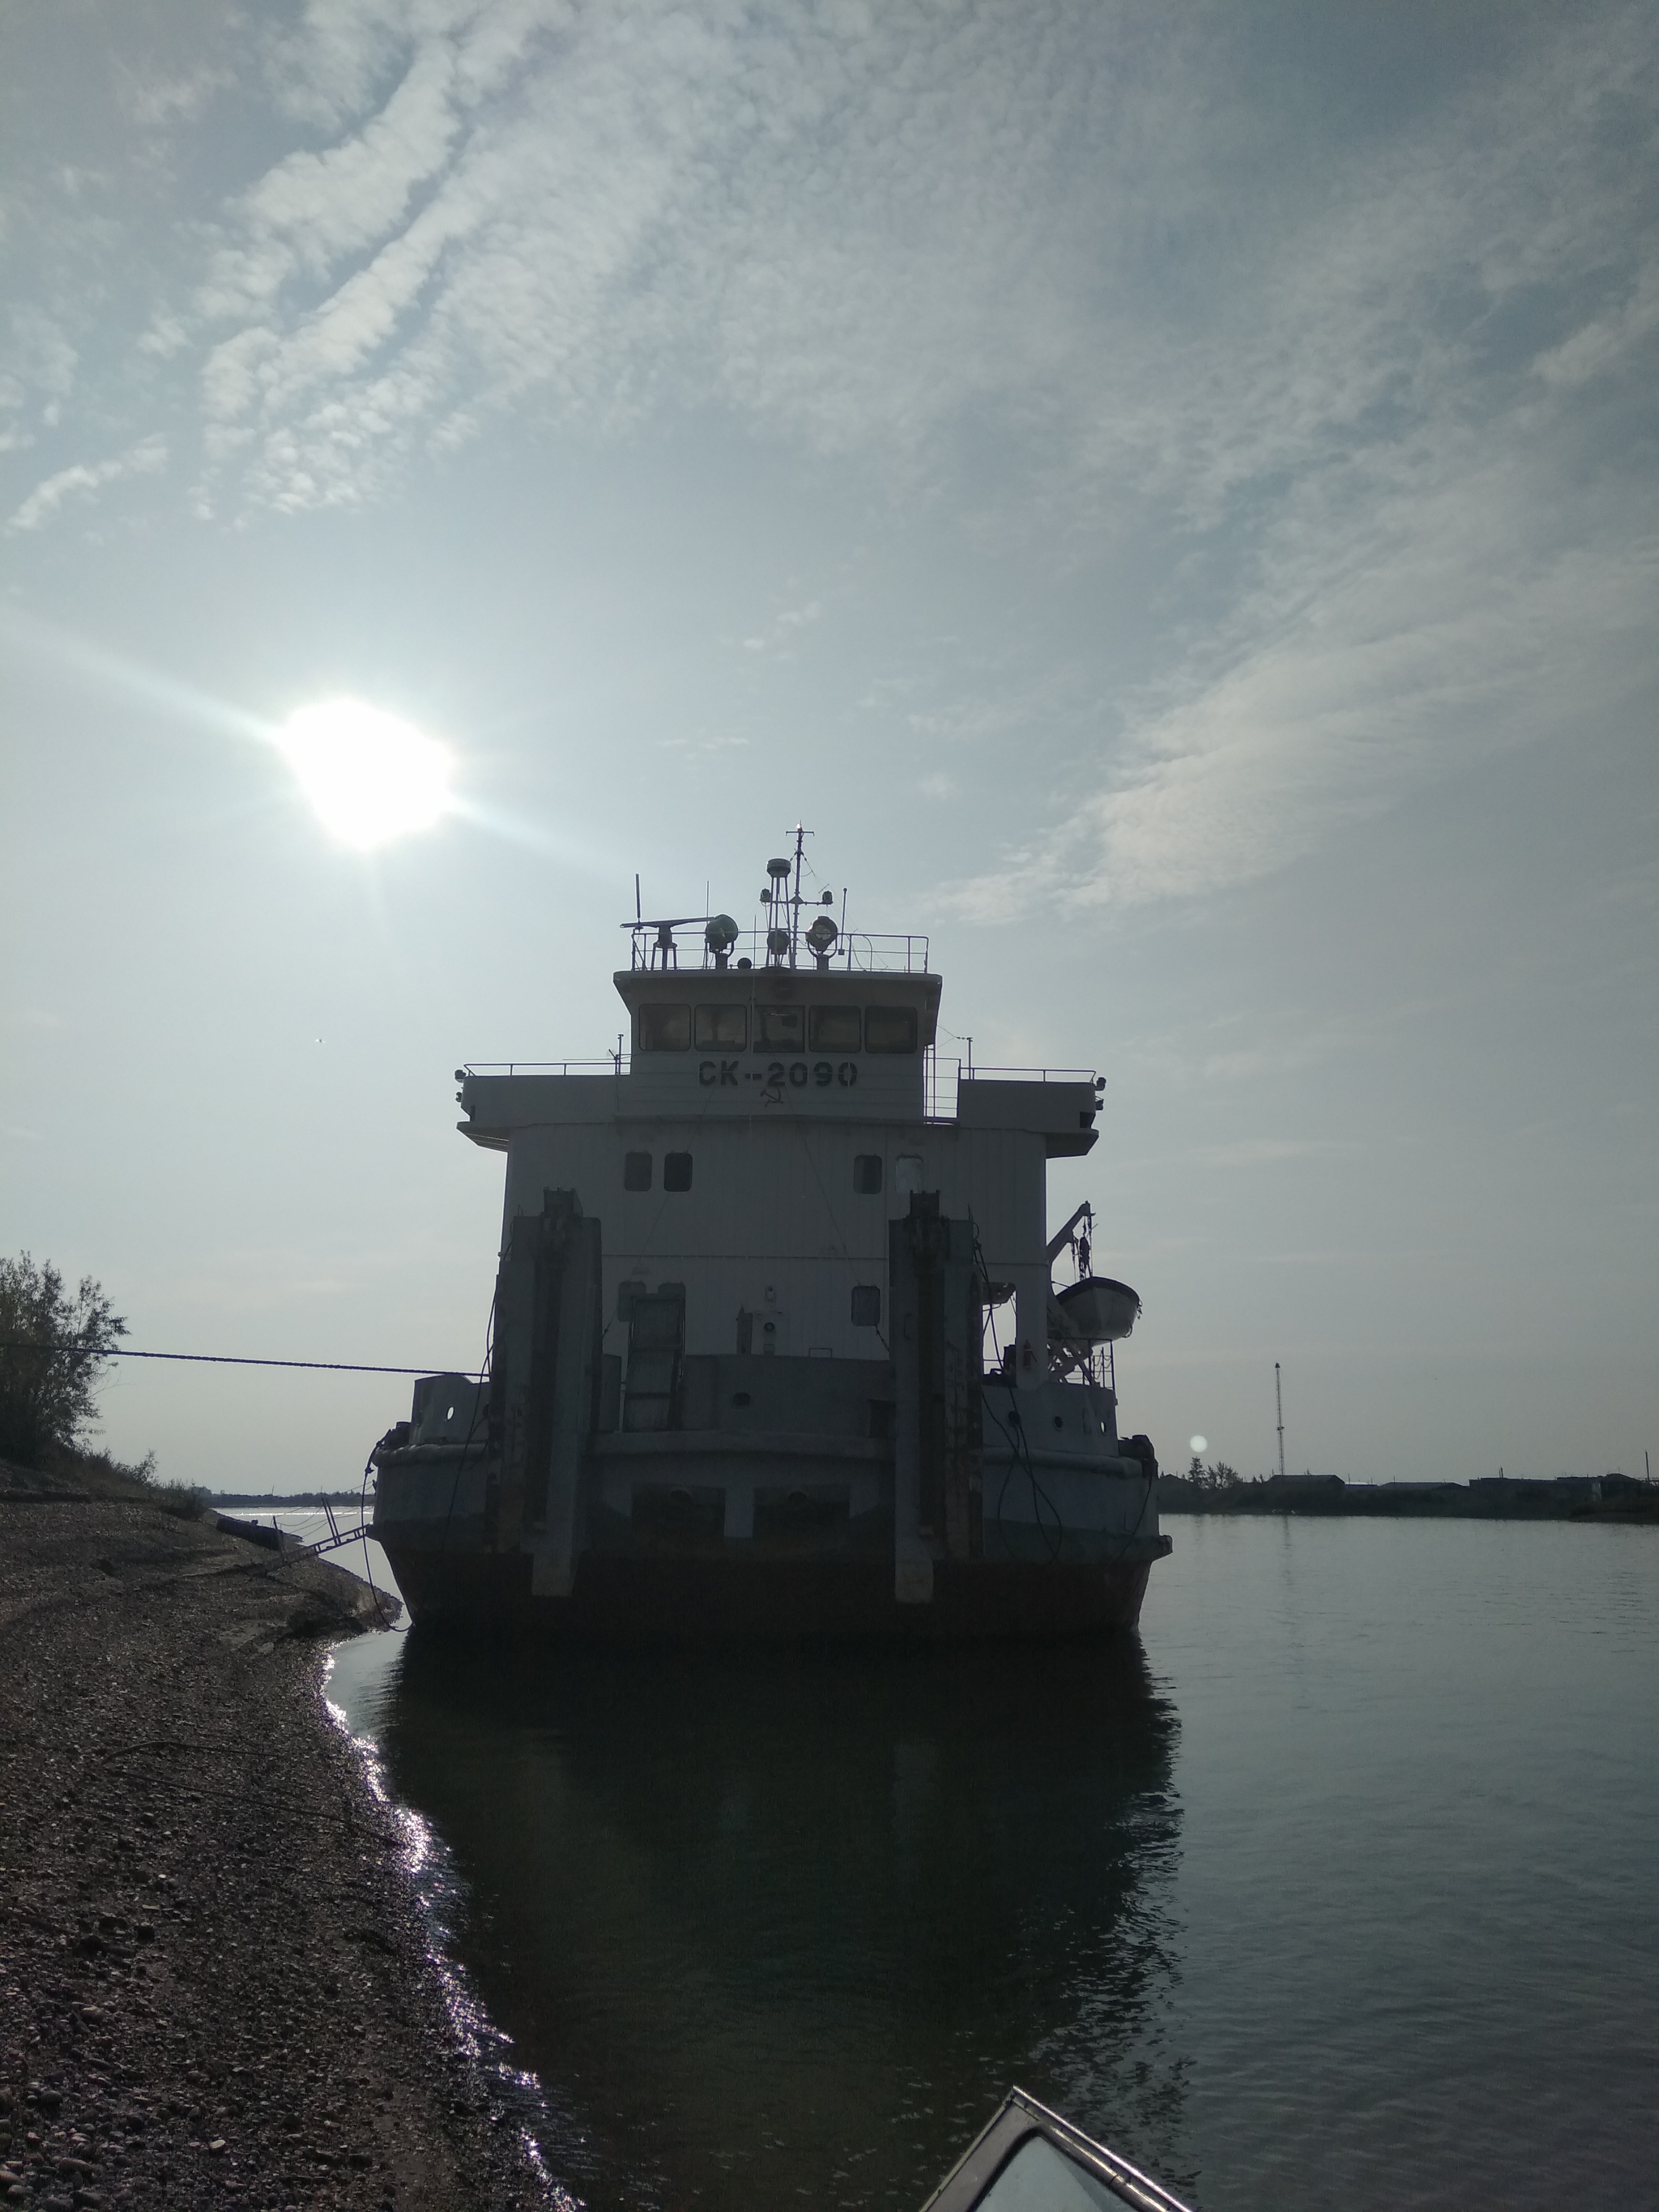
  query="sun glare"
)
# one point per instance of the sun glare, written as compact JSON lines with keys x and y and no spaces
{"x":370,"y":777}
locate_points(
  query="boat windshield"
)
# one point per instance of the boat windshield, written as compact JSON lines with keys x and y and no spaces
{"x":1040,"y":2179}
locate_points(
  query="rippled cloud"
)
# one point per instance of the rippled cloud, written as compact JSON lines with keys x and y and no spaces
{"x":1384,"y":411}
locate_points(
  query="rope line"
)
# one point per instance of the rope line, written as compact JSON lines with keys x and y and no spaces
{"x":217,"y":1359}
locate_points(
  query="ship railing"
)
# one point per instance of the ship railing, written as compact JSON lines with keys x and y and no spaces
{"x":943,"y":1077}
{"x":864,"y":955}
{"x":613,"y":1063}
{"x":681,"y":944}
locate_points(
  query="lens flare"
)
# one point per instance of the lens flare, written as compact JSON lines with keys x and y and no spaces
{"x":370,"y":777}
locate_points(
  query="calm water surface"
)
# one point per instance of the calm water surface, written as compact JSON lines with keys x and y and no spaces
{"x":1338,"y":1885}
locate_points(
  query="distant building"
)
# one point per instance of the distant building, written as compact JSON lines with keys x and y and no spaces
{"x":1541,"y":1486}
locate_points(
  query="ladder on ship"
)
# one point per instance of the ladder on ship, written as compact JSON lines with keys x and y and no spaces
{"x":337,"y":1537}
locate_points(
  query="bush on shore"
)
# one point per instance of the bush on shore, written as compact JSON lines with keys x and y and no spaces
{"x":185,"y":1501}
{"x":52,"y":1343}
{"x":102,"y":1475}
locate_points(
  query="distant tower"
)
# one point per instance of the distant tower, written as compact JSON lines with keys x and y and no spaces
{"x":1279,"y":1400}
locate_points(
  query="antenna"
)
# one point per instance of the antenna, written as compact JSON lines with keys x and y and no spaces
{"x":1279,"y":1400}
{"x":639,"y":912}
{"x":801,"y":835}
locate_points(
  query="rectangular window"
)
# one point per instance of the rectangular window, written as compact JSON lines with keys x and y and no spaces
{"x":636,"y":1170}
{"x":889,"y":1029}
{"x":664,"y":1028}
{"x":866,"y":1305}
{"x":866,"y":1174}
{"x":907,"y":1173}
{"x":677,"y":1171}
{"x":722,"y":1025}
{"x":778,"y":1028}
{"x":833,"y":1029}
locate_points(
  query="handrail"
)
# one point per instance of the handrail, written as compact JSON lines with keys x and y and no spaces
{"x":941,"y":1075}
{"x":658,"y":946}
{"x":611,"y":1065}
{"x":942,"y":1079}
{"x":975,"y":1074}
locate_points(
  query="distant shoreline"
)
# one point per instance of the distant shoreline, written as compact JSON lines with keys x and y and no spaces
{"x":286,"y":1497}
{"x":1609,"y":1498}
{"x":1615,"y":1498}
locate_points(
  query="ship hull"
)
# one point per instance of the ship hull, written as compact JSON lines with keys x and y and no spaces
{"x":646,"y":1600}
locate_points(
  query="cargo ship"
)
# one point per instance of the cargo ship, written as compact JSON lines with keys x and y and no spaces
{"x":777,"y":1350}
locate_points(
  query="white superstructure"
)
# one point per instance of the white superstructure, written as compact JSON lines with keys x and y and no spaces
{"x":775,"y":1297}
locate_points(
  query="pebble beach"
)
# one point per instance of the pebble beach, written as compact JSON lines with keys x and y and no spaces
{"x":215,"y":1987}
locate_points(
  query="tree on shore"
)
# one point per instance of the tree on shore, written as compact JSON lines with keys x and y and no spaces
{"x":1220,"y":1476}
{"x":51,"y":1343}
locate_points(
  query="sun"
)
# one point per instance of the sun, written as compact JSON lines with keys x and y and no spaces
{"x":370,"y":777}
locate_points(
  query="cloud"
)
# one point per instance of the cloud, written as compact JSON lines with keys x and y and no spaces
{"x":839,"y":221}
{"x":858,"y":226}
{"x":40,"y":365}
{"x":157,"y":100}
{"x":865,"y":228}
{"x":785,"y":630}
{"x":86,"y":478}
{"x":1443,"y":528}
{"x":1463,"y":616}
{"x":1375,"y":406}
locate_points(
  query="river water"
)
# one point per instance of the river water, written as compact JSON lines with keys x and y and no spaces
{"x":1339,"y":1884}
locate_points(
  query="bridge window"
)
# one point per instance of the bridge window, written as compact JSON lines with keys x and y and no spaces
{"x":866,"y":1305}
{"x":833,"y":1029}
{"x":889,"y":1029}
{"x":677,"y":1171}
{"x":636,"y":1170}
{"x":778,"y":1028}
{"x":866,"y":1174}
{"x":718,"y":1026}
{"x":664,"y":1028}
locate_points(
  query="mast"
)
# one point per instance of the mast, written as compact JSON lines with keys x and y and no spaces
{"x":1279,"y":1400}
{"x":801,"y":836}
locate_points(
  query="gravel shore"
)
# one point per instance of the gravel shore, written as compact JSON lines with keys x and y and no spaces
{"x":214,"y":1984}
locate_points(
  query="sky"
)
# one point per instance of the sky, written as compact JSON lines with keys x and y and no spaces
{"x":1169,"y":495}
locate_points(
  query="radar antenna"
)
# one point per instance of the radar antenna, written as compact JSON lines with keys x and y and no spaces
{"x":783,"y":938}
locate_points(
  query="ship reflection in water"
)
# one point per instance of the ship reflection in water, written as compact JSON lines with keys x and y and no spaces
{"x":784,"y":1928}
